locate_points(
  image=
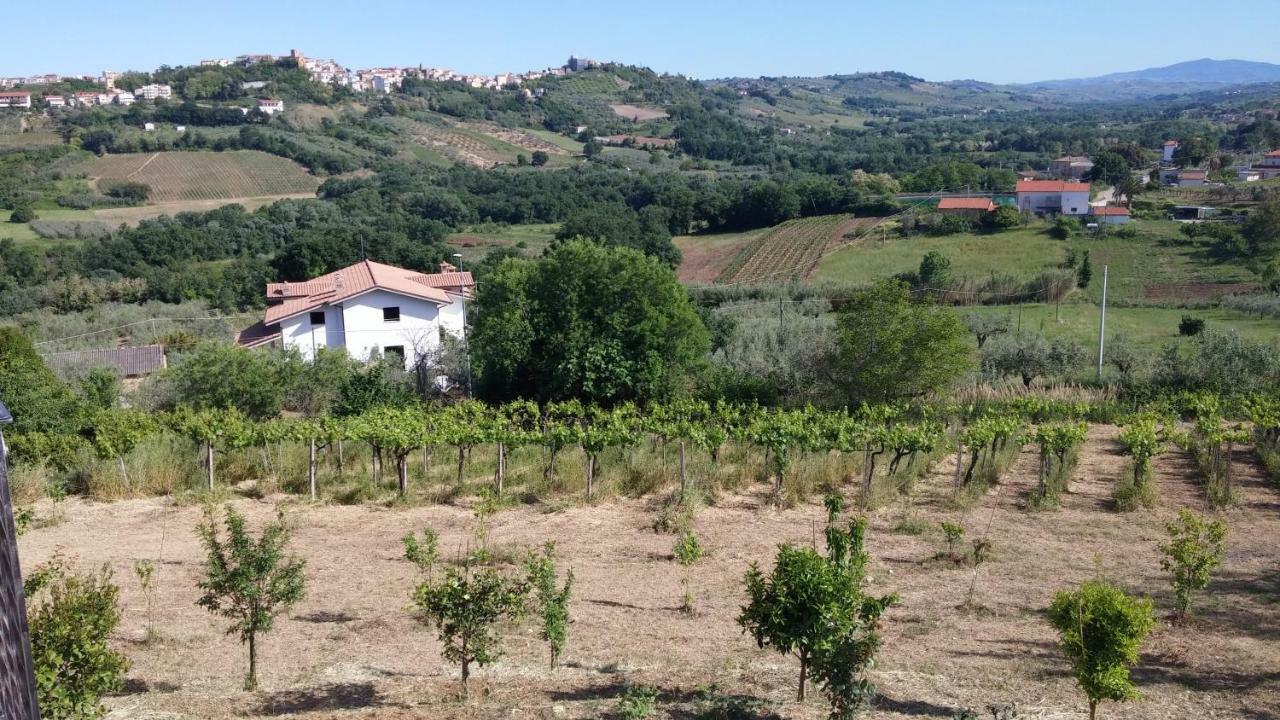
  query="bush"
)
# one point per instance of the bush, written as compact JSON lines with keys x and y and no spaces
{"x":1194,"y":549}
{"x":70,"y":229}
{"x":71,"y":618}
{"x":1064,"y":226}
{"x":23,"y":214}
{"x":1190,"y":325}
{"x":135,"y":192}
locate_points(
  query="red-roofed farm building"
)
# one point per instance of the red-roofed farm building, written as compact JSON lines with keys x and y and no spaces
{"x":1053,"y":197}
{"x":969,"y":207}
{"x":368,"y":309}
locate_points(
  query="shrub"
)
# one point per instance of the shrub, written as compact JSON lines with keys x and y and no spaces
{"x":23,"y":214}
{"x":1064,"y":226}
{"x":1190,"y":325}
{"x":129,"y":190}
{"x":1101,"y":631}
{"x":71,"y":617}
{"x":638,"y":703}
{"x":953,"y":532}
{"x":552,"y":603}
{"x":424,"y":554}
{"x":687,"y":552}
{"x":1194,"y":549}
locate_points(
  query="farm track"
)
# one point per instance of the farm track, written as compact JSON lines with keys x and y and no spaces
{"x":351,"y":650}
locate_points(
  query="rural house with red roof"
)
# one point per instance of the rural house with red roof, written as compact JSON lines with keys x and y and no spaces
{"x":369,"y":309}
{"x":1053,"y":197}
{"x":968,"y":207}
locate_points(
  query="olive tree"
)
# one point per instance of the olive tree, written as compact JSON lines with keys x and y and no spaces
{"x":248,"y":581}
{"x":1101,"y":631}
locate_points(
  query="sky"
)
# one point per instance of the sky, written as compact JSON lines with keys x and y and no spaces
{"x":995,"y":41}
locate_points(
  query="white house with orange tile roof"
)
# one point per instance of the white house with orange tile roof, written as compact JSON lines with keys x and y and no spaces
{"x":368,"y":309}
{"x":1053,"y":197}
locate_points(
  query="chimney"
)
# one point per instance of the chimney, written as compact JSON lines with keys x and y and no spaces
{"x":447,"y":267}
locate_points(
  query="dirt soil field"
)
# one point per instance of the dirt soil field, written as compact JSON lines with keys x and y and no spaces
{"x":635,"y":112}
{"x":351,"y":649}
{"x":704,"y":257}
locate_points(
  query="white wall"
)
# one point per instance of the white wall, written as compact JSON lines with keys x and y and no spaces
{"x":298,"y":332}
{"x":366,"y":331}
{"x":1075,"y":203}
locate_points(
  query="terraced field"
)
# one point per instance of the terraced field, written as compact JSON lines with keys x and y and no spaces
{"x":789,"y":251}
{"x":468,"y":145}
{"x":185,"y":176}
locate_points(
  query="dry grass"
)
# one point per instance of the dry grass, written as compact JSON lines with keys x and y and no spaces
{"x":351,"y":649}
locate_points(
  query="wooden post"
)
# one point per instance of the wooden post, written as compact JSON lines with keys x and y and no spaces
{"x":683,"y":482}
{"x":502,"y":470}
{"x":209,"y":463}
{"x":311,"y":467}
{"x":17,"y":671}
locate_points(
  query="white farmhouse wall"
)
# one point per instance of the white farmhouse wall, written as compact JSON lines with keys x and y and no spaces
{"x":366,"y":331}
{"x":298,"y":332}
{"x":1075,"y":203}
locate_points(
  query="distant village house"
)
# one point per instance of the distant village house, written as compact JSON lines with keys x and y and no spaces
{"x":1053,"y":197}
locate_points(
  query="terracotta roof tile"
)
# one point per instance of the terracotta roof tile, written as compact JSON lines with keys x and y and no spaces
{"x":1051,"y":186}
{"x":357,"y":279}
{"x":966,"y":204}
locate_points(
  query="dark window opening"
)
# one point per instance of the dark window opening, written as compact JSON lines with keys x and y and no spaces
{"x":391,"y":314}
{"x":317,"y":318}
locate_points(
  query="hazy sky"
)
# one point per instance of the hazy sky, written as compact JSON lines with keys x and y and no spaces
{"x":997,"y":40}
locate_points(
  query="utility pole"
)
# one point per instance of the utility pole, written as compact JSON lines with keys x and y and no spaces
{"x":466,"y":343}
{"x":1102,"y":324}
{"x":17,"y":672}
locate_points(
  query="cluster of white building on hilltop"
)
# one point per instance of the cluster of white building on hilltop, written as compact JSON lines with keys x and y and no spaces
{"x":22,"y":99}
{"x":388,"y":79}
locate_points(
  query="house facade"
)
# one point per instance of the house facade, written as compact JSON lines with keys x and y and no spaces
{"x":1110,"y":214}
{"x":1053,"y":197}
{"x":15,"y":99}
{"x":1192,"y":178}
{"x":1167,"y":150}
{"x":1074,"y":167}
{"x":368,"y":309}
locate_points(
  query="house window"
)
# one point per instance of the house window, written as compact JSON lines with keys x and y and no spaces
{"x":391,"y":314}
{"x":317,"y":318}
{"x":397,"y":350}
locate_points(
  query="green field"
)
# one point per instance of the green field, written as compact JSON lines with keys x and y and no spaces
{"x":477,"y":242}
{"x":1156,"y":256}
{"x":22,"y":234}
{"x":1147,"y":327}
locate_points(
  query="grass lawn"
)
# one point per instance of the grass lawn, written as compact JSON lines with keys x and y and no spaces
{"x":474,"y":244}
{"x":1148,"y":327}
{"x":22,"y":234}
{"x":1156,"y":256}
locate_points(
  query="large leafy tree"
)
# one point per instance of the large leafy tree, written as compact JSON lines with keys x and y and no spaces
{"x":218,"y":376}
{"x":1101,"y":630}
{"x":35,"y":396}
{"x":889,"y":346}
{"x":598,"y":324}
{"x":615,"y":224}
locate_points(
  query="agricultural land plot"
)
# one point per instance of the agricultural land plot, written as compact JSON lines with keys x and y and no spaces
{"x":637,"y":113}
{"x":1147,"y":328}
{"x":188,"y":176}
{"x":23,"y":234}
{"x":133,"y":215}
{"x":957,"y":637}
{"x":705,"y":257}
{"x":1140,"y":267}
{"x":787,"y":252}
{"x":459,"y":142}
{"x":475,"y":243}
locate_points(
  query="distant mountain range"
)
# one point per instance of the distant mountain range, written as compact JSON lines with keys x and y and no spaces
{"x":1193,"y":72}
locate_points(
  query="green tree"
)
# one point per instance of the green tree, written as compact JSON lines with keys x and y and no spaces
{"x":38,"y":400}
{"x":816,"y":608}
{"x":881,"y":332}
{"x":1029,"y":356}
{"x":1261,"y":231}
{"x":1110,"y":168}
{"x":1084,"y":275}
{"x":23,"y":214}
{"x":551,"y":602}
{"x":1193,"y":150}
{"x":217,"y":376}
{"x":248,"y":581}
{"x":1195,"y":548}
{"x":985,"y":326}
{"x":71,"y":619}
{"x":1005,"y":217}
{"x":539,"y":158}
{"x":935,"y":270}
{"x":1101,"y":631}
{"x":1064,"y":226}
{"x":602,"y":325}
{"x":465,"y":607}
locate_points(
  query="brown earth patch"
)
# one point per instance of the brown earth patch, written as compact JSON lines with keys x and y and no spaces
{"x":705,"y":257}
{"x":635,"y":112}
{"x":352,"y":650}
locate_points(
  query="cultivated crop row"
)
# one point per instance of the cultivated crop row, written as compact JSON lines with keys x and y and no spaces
{"x":180,"y":176}
{"x":788,"y":252}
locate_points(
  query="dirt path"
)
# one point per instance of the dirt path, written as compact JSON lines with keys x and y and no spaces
{"x":351,"y":649}
{"x":143,"y":166}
